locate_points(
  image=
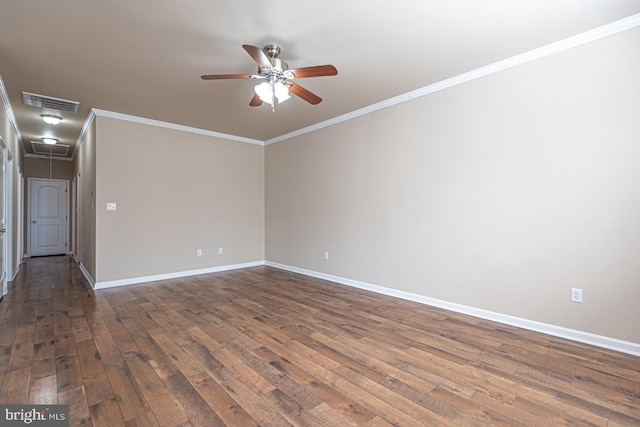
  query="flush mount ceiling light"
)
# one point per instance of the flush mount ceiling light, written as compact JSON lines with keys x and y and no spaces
{"x":50,"y":119}
{"x":50,"y":141}
{"x":278,"y":77}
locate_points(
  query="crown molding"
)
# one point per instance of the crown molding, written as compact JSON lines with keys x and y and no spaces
{"x":174,"y":126}
{"x":598,"y":33}
{"x":589,"y":36}
{"x":83,"y":132}
{"x":12,"y":117}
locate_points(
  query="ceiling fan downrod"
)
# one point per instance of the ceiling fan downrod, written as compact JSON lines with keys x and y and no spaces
{"x":273,"y":93}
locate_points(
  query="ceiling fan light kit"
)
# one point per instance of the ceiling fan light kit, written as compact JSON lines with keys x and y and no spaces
{"x":267,"y":92}
{"x":278,"y":77}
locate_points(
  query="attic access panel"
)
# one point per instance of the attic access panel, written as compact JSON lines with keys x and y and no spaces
{"x":59,"y":150}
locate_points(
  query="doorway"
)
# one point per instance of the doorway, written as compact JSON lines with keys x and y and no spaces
{"x":48,"y":220}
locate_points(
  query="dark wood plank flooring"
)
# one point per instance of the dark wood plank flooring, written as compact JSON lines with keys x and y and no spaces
{"x":262,"y":346}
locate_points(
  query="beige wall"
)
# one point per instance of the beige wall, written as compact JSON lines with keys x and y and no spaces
{"x":85,"y":173}
{"x":10,"y":140}
{"x":42,"y":168}
{"x":176,"y":192}
{"x":500,"y":194}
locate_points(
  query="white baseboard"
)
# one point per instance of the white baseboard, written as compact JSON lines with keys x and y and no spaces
{"x":553,"y":330}
{"x":87,"y":276}
{"x":557,"y":331}
{"x":176,"y":275}
{"x":15,"y":273}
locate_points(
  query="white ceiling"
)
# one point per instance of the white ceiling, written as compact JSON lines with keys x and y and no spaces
{"x":144,"y":57}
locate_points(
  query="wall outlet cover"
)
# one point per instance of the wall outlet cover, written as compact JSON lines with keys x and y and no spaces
{"x":576,"y":295}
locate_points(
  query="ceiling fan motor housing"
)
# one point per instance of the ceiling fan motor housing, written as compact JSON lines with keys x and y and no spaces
{"x":272,"y":51}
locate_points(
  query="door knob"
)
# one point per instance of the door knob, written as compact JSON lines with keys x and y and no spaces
{"x":34,"y":222}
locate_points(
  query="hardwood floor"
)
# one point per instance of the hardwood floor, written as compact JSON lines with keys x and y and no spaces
{"x":262,"y":346}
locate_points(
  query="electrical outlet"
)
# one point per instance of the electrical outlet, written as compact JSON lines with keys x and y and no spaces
{"x":576,"y":295}
{"x":326,"y":256}
{"x":199,"y":252}
{"x":220,"y":250}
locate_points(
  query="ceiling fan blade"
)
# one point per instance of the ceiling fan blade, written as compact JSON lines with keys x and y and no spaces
{"x":258,"y":55}
{"x":255,"y":101}
{"x":316,"y":71}
{"x":225,"y":76}
{"x":303,"y":93}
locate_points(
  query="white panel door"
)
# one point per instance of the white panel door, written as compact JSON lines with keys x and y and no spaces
{"x":48,"y":217}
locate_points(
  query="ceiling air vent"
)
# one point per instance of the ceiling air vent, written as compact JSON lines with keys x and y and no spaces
{"x":49,"y":102}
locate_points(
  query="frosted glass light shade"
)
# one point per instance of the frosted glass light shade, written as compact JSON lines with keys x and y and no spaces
{"x":51,"y":119}
{"x":263,"y":90}
{"x":282,"y":92}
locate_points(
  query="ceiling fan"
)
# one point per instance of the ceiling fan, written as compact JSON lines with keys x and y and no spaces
{"x":278,"y":78}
